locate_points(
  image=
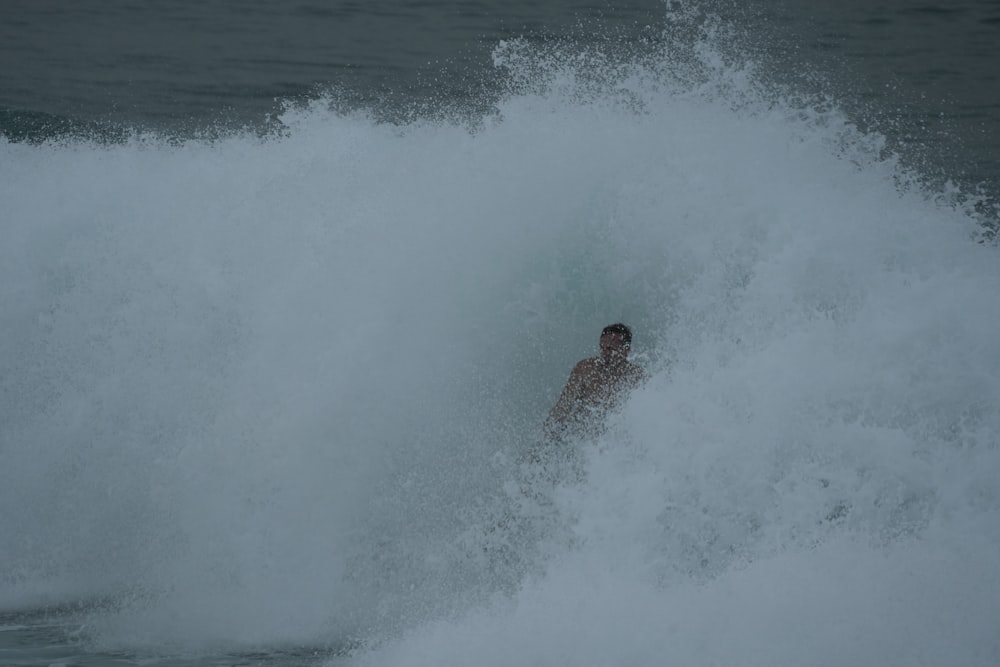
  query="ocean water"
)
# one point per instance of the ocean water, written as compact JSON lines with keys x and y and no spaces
{"x":281,"y":325}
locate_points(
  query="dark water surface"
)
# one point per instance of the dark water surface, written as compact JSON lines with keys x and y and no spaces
{"x":163,"y":62}
{"x":57,"y":638}
{"x":925,"y":74}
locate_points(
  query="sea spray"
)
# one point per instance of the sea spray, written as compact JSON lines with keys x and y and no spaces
{"x":278,"y":390}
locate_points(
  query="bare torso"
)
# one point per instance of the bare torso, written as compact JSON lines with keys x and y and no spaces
{"x":595,"y":387}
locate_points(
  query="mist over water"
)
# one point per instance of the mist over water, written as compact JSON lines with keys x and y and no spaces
{"x":274,"y":391}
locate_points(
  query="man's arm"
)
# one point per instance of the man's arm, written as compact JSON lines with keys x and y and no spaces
{"x":563,"y":408}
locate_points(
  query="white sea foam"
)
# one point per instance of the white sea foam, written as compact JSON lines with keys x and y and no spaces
{"x":270,"y":391}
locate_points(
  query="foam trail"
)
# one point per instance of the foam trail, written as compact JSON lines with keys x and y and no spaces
{"x":260,"y":392}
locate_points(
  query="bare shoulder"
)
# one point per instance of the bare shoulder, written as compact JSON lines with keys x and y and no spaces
{"x":585,"y":366}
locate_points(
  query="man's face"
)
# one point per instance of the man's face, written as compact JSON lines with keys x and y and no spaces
{"x":613,"y":346}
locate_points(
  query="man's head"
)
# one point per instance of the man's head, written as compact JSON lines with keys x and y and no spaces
{"x":616,"y":339}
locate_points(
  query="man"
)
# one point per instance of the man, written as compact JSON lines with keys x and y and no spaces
{"x":596,"y":385}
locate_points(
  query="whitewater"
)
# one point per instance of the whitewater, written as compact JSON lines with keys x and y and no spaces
{"x":262,"y":392}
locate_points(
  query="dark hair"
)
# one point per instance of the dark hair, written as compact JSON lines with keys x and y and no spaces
{"x":620,"y":329}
